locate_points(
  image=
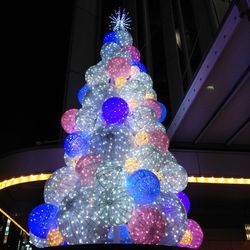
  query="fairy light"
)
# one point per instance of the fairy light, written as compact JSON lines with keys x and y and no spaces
{"x":219,"y":180}
{"x":23,"y":179}
{"x":191,"y":179}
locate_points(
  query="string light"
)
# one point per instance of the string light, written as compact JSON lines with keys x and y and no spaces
{"x":192,"y":179}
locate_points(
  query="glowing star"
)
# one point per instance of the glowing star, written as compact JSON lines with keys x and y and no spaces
{"x":120,"y":20}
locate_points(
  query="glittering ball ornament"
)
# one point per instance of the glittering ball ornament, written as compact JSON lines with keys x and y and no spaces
{"x":133,"y":90}
{"x":148,"y":156}
{"x":110,"y":174}
{"x":87,"y":119}
{"x":108,"y":50}
{"x":134,"y":52}
{"x":145,"y":79}
{"x":113,"y":205}
{"x":154,"y":105}
{"x":143,"y":186}
{"x":38,"y":242}
{"x":95,"y":75}
{"x":175,"y":216}
{"x":82,"y":93}
{"x":141,"y":66}
{"x":97,"y":95}
{"x":86,"y":168}
{"x":142,"y":118}
{"x":54,"y":237}
{"x":76,"y":218}
{"x":131,"y":164}
{"x":163,"y":112}
{"x":71,"y":162}
{"x":68,"y":121}
{"x":42,"y":219}
{"x":60,"y":183}
{"x":110,"y":37}
{"x":117,"y":67}
{"x":124,"y":38}
{"x":160,"y":140}
{"x":174,"y":176}
{"x":193,"y":236}
{"x":115,"y":110}
{"x":122,"y":232}
{"x":111,"y":142}
{"x":147,"y":225}
{"x":185,"y":200}
{"x":141,"y":138}
{"x":76,"y":144}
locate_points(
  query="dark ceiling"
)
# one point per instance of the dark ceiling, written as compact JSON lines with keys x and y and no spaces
{"x":38,"y":47}
{"x":215,"y":112}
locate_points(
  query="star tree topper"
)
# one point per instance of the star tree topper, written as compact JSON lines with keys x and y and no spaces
{"x":120,"y":20}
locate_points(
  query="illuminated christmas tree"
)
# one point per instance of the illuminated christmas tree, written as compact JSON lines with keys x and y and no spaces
{"x":120,"y":183}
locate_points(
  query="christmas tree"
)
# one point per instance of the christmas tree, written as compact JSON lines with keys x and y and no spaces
{"x":120,"y":183}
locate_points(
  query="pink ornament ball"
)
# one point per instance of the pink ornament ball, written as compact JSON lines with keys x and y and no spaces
{"x":86,"y":168}
{"x":118,"y":66}
{"x":159,"y":139}
{"x":68,"y":121}
{"x":147,"y":225}
{"x":154,"y":105}
{"x":134,"y":53}
{"x":197,"y":235}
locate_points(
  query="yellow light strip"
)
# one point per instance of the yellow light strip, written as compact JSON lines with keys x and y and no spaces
{"x":219,"y":180}
{"x":10,"y":218}
{"x":23,"y":179}
{"x":191,"y":179}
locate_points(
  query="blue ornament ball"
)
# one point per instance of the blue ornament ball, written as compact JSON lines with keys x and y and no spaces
{"x":163,"y":112}
{"x":141,"y":66}
{"x":76,"y":144}
{"x":143,"y":186}
{"x":123,"y":234}
{"x":115,"y":110}
{"x":42,"y":219}
{"x":82,"y":92}
{"x":185,"y":200}
{"x":110,"y":37}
